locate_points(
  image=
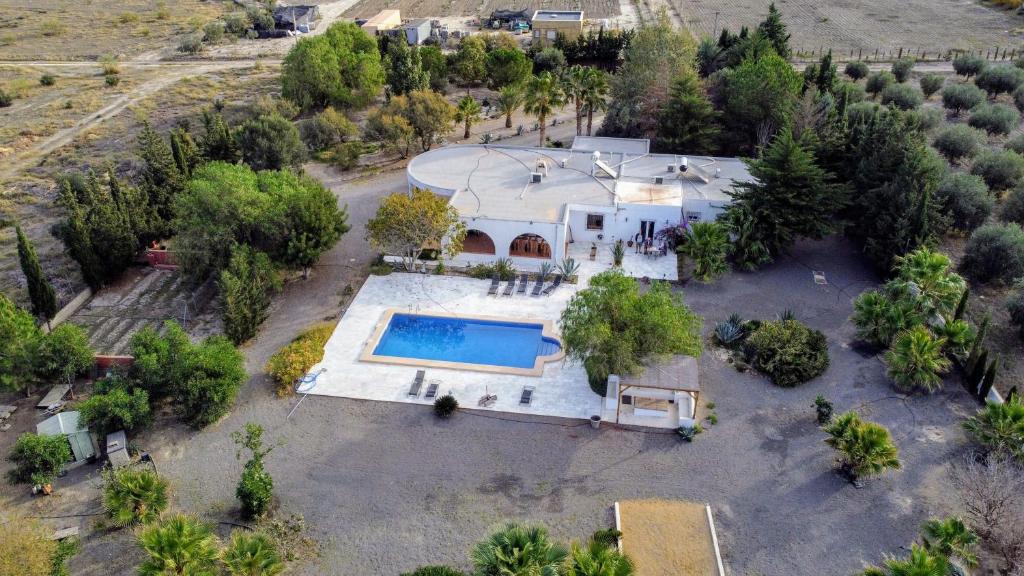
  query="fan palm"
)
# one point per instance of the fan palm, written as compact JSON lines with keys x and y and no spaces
{"x":866,"y":448}
{"x":916,"y":360}
{"x":467,"y":112}
{"x":597,"y":559}
{"x":510,"y":99}
{"x":595,"y":94}
{"x":518,"y":550}
{"x":919,"y":563}
{"x":707,"y":243}
{"x":939,"y":290}
{"x":181,"y":545}
{"x":999,"y":427}
{"x":543,"y":97}
{"x":134,"y":496}
{"x":951,"y":538}
{"x":251,"y":555}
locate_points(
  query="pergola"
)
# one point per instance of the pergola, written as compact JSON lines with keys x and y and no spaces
{"x":663,"y":379}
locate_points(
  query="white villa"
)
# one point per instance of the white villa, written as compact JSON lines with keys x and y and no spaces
{"x":532,"y":204}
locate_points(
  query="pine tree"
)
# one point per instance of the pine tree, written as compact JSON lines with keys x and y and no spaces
{"x":826,"y":78}
{"x":218,"y":143}
{"x":789,"y":197}
{"x":246,"y":286}
{"x":40,"y":292}
{"x":774,"y":30}
{"x":688,"y":122}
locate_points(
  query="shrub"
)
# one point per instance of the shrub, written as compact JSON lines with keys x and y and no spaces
{"x":66,"y":549}
{"x":317,"y":134}
{"x":215,"y":373}
{"x":270,"y":142}
{"x":916,"y":360}
{"x":999,"y":428}
{"x":246,"y":287}
{"x":965,"y":200}
{"x":47,"y":79}
{"x":134,"y":496}
{"x":995,"y":252}
{"x":256,"y":487}
{"x":788,"y":352}
{"x":729,"y":333}
{"x":878,"y":82}
{"x":999,"y":79}
{"x":822,"y":410}
{"x":930,"y":84}
{"x":856,"y":70}
{"x":968,"y":65}
{"x":860,"y":112}
{"x":251,"y":554}
{"x":1015,"y":306}
{"x":1012,"y":209}
{"x":926,"y":118}
{"x":345,"y":155}
{"x":1016,"y":144}
{"x":901,"y":69}
{"x":994,"y":118}
{"x":1001,"y":170}
{"x":434,"y":571}
{"x":958,"y":141}
{"x":37,"y":458}
{"x":178,"y":545}
{"x":116,"y":410}
{"x":5,"y":99}
{"x":112,"y":80}
{"x":191,"y":44}
{"x":445,"y":406}
{"x":213,"y":32}
{"x":293,"y":361}
{"x":960,"y":97}
{"x":865,"y":448}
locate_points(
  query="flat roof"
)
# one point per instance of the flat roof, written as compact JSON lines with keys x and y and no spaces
{"x":558,"y":15}
{"x":668,"y":538}
{"x":605,"y":144}
{"x":384,"y":16}
{"x":674,"y":373}
{"x":494,"y":181}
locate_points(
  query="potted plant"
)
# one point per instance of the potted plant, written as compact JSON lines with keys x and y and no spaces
{"x":595,"y":421}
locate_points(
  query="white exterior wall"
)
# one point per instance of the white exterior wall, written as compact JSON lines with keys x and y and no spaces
{"x":708,"y":209}
{"x":503,"y":232}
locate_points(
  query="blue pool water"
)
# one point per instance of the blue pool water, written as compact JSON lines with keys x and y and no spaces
{"x":466,"y":340}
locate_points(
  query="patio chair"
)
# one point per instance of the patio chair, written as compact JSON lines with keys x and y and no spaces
{"x":417,"y":383}
{"x":537,"y":287}
{"x":527,"y":396}
{"x":509,"y":287}
{"x":431,"y":392}
{"x":523,"y":283}
{"x":555,"y":284}
{"x":493,"y":290}
{"x":487,"y":400}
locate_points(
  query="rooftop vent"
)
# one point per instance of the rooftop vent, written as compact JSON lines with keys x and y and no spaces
{"x":718,"y":172}
{"x":671,"y":168}
{"x":542,"y":167}
{"x":659,"y":180}
{"x":535,"y":177}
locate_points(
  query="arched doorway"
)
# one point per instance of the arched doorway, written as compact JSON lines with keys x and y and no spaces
{"x":530,"y":246}
{"x":477,"y":242}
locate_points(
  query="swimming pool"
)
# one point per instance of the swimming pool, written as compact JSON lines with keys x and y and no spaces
{"x":471,"y":342}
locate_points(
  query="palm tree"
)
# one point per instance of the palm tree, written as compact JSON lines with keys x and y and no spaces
{"x":518,"y":550}
{"x":251,"y":554}
{"x":573,"y":86}
{"x":919,"y":563}
{"x":595,"y":93}
{"x":468,"y":112}
{"x":510,"y":99}
{"x":134,"y":496}
{"x":950,"y":538}
{"x":999,"y":427}
{"x":935,"y":287}
{"x":866,"y":448}
{"x":181,"y":546}
{"x":543,"y":96}
{"x":916,"y":360}
{"x":707,"y":243}
{"x":597,"y":559}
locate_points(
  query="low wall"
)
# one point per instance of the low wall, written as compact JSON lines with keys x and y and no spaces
{"x":69,"y":309}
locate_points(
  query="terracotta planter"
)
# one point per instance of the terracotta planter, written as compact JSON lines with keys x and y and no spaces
{"x":47,"y":489}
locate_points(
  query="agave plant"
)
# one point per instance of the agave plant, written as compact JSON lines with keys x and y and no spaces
{"x":545,"y":271}
{"x":569,"y":267}
{"x":865,"y":448}
{"x":251,"y":555}
{"x":518,"y":550}
{"x":786,"y":315}
{"x":618,"y":253}
{"x":178,"y":545}
{"x":504,"y":268}
{"x":134,"y":496}
{"x":728,"y":333}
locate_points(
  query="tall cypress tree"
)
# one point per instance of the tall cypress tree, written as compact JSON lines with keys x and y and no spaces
{"x":161,"y":176}
{"x":774,"y":29}
{"x":40,"y":291}
{"x":185,"y":151}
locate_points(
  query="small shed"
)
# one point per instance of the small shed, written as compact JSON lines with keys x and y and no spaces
{"x":417,"y":31}
{"x":664,"y":395}
{"x":383,"y":21}
{"x":296,"y":18}
{"x":117,"y":449}
{"x":66,"y":424}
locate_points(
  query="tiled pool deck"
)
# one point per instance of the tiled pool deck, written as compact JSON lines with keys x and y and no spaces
{"x":561,"y":390}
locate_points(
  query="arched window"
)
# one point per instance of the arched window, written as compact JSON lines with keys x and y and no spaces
{"x":477,"y":242}
{"x":529,"y":246}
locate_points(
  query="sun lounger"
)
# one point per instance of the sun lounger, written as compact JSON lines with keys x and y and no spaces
{"x":509,"y":287}
{"x":555,"y":284}
{"x":487,"y":400}
{"x":493,"y":290}
{"x":527,"y":396}
{"x":417,"y":383}
{"x":537,"y":287}
{"x":523,"y":283}
{"x":431,"y":392}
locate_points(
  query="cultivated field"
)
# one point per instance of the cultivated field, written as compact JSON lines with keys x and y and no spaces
{"x":866,"y":24}
{"x":72,"y":29}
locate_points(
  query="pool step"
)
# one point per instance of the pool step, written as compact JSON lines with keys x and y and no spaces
{"x":547,"y":347}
